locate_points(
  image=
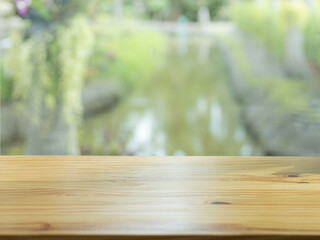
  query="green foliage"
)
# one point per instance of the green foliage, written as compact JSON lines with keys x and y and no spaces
{"x":269,"y":25}
{"x":57,"y":11}
{"x":155,"y":8}
{"x":289,"y":94}
{"x":18,"y":64}
{"x":127,"y":53}
{"x":6,"y":85}
{"x":190,"y":8}
{"x":40,"y":6}
{"x":75,"y":43}
{"x":48,"y":65}
{"x":214,"y":7}
{"x":262,"y":23}
{"x":172,"y":9}
{"x":312,"y":38}
{"x":294,"y":12}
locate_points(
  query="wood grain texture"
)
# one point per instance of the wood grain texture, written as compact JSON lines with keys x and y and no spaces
{"x":159,"y":197}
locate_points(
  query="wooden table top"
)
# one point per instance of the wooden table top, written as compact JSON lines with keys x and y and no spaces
{"x":159,"y":197}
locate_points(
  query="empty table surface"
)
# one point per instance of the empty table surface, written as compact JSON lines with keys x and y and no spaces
{"x":98,"y":197}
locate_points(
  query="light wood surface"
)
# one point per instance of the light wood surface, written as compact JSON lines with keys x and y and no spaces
{"x":159,"y":197}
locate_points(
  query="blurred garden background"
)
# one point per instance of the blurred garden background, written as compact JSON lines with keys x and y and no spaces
{"x":160,"y":77}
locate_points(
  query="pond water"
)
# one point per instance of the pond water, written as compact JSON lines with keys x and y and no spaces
{"x":186,"y":109}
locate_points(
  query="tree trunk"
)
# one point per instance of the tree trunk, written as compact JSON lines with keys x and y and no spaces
{"x":48,"y":131}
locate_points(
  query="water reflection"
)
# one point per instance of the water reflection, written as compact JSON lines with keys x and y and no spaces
{"x":216,"y":121}
{"x":186,"y":110}
{"x":142,"y":132}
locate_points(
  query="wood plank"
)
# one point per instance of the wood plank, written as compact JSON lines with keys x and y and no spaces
{"x":99,"y":197}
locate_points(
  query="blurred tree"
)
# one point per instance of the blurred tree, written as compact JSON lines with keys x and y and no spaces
{"x":48,"y":63}
{"x":172,"y":9}
{"x":295,"y":14}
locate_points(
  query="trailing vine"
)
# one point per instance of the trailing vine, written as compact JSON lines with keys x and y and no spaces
{"x":75,"y":45}
{"x":52,"y":64}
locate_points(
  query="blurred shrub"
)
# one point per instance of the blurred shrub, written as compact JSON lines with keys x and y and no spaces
{"x":156,"y":9}
{"x":269,"y":25}
{"x":287,"y":93}
{"x":260,"y":23}
{"x":126,"y":53}
{"x":294,"y":12}
{"x":47,"y":65}
{"x":6,"y":85}
{"x":312,"y":37}
{"x":169,"y":9}
{"x":57,"y":11}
